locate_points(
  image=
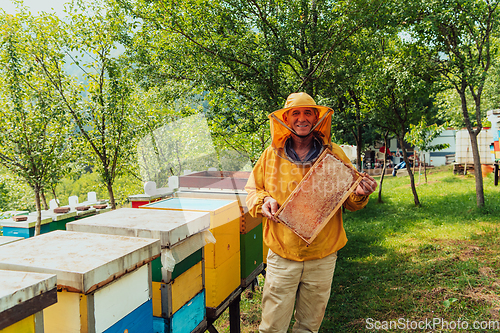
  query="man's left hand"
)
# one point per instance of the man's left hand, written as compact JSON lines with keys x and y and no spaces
{"x":367,"y":185}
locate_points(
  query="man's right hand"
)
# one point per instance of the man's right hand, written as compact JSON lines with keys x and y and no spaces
{"x":269,"y":208}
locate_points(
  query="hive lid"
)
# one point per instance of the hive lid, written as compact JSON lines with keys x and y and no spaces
{"x":147,"y":197}
{"x":56,"y":216}
{"x":20,"y":287}
{"x":9,"y":239}
{"x":29,"y":223}
{"x":215,"y":180}
{"x":193,"y":204}
{"x":239,"y":195}
{"x":82,"y":261}
{"x":318,"y":196}
{"x":169,"y":226}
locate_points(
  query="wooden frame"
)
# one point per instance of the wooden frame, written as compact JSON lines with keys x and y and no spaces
{"x":299,"y":214}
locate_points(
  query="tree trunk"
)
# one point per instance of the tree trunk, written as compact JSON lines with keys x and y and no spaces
{"x":408,"y":168}
{"x":55,"y":196}
{"x":473,"y":141}
{"x":477,"y":169}
{"x":383,"y":170}
{"x":425,"y":170}
{"x":419,"y":170}
{"x":359,"y":131}
{"x":111,"y":195}
{"x":38,"y":210}
{"x":359,"y":163}
{"x":43,"y":200}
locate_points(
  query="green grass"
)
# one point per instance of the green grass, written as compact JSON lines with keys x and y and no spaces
{"x":440,"y":260}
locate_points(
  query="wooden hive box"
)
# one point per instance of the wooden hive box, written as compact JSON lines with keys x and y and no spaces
{"x":251,"y":245}
{"x":233,"y":180}
{"x":222,"y":259}
{"x":138,"y":200}
{"x":182,"y":237}
{"x":251,"y":255}
{"x":23,"y":297}
{"x":191,"y":314}
{"x":26,"y":228}
{"x":247,"y":222}
{"x":81,"y":214}
{"x":318,"y":196}
{"x":103,"y":281}
{"x":59,"y":220}
{"x":229,"y":185}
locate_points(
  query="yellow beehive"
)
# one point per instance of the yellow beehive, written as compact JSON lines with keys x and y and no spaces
{"x":221,"y":281}
{"x":177,"y":292}
{"x":222,"y":259}
{"x":23,"y":298}
{"x":103,"y":281}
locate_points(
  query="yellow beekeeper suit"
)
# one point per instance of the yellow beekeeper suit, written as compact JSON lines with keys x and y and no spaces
{"x":277,"y":176}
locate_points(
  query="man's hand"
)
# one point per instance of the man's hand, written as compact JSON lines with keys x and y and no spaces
{"x":269,"y":208}
{"x":367,"y":185}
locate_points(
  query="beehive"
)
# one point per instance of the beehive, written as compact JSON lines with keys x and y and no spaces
{"x":182,"y":236}
{"x":251,"y":254}
{"x":191,"y":314}
{"x":138,"y":200}
{"x":222,"y":259}
{"x":233,"y":180}
{"x":103,"y":281}
{"x":80,"y":214}
{"x":23,"y":297}
{"x":25,"y":228}
{"x":59,"y":220}
{"x":463,"y":148}
{"x":251,"y":245}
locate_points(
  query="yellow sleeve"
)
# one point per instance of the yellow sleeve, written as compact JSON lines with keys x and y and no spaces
{"x":255,"y":189}
{"x":354,"y":202}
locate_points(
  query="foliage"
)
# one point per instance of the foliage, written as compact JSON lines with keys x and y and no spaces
{"x":402,"y":93}
{"x":351,"y":81}
{"x":101,"y":105}
{"x":249,"y":55}
{"x":460,"y":35}
{"x":34,"y":131}
{"x":90,"y":182}
{"x":422,"y":135}
{"x":16,"y":194}
{"x":175,"y":148}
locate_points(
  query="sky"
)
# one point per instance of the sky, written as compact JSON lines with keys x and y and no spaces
{"x":35,"y":6}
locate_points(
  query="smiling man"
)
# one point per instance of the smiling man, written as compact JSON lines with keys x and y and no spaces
{"x":297,"y":274}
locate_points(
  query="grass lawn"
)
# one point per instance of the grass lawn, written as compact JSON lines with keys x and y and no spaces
{"x":409,"y":266}
{"x":437,"y":262}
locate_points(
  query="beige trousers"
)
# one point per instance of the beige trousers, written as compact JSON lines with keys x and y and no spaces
{"x":307,"y":284}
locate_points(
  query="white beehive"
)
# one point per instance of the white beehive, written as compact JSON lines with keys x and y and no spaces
{"x":463,"y":152}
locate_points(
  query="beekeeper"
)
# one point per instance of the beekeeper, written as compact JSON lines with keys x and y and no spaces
{"x":296,"y":273}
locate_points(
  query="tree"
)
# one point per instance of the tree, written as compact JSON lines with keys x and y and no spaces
{"x":386,"y":150}
{"x":422,"y":135}
{"x":350,"y":76}
{"x":402,"y":94}
{"x":34,"y":131}
{"x":250,"y":55}
{"x":460,"y":34}
{"x":100,"y":105}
